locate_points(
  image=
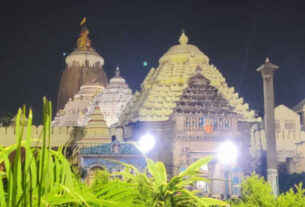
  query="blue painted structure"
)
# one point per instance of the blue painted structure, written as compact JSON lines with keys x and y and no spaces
{"x":103,"y":154}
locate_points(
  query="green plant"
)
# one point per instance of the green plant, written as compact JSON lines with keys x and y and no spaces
{"x":33,"y":176}
{"x":256,"y":192}
{"x":156,"y":190}
{"x":292,"y":198}
{"x":41,"y":176}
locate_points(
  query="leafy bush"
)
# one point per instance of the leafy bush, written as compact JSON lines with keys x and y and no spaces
{"x":256,"y":192}
{"x":293,"y":198}
{"x":157,"y":190}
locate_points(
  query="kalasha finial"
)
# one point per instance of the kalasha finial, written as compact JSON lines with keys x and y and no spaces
{"x":117,"y":71}
{"x":267,"y":60}
{"x":183,"y":40}
{"x":83,"y":41}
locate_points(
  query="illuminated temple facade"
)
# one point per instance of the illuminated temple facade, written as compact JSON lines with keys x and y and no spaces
{"x":184,"y":103}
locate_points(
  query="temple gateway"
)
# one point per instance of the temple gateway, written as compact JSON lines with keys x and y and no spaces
{"x":185,"y":104}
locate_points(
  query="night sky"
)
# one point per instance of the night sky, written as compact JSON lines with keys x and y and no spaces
{"x":235,"y":35}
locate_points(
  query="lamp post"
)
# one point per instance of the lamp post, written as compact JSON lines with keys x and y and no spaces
{"x":267,"y":71}
{"x":227,"y":154}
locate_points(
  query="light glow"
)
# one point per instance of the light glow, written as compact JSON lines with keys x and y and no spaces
{"x":146,"y":143}
{"x":227,"y":152}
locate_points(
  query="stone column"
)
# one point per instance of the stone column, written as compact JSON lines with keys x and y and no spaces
{"x":267,"y":71}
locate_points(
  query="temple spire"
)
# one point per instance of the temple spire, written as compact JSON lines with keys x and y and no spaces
{"x":117,"y":71}
{"x":267,"y":60}
{"x":183,"y":40}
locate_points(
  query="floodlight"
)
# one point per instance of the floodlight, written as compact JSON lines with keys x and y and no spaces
{"x":227,"y":152}
{"x":146,"y":143}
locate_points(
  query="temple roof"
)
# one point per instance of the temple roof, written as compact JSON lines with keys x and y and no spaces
{"x":163,"y":86}
{"x":201,"y":97}
{"x":96,"y":131}
{"x":183,"y":51}
{"x":112,"y":100}
{"x":117,"y":80}
{"x":75,"y":108}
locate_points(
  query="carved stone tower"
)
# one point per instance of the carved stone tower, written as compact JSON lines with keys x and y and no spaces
{"x":84,"y":66}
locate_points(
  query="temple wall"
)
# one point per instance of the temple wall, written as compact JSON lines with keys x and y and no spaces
{"x":297,"y":164}
{"x":288,"y":133}
{"x":285,"y":143}
{"x":59,"y":135}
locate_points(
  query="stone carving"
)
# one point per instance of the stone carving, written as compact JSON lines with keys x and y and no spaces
{"x":203,"y":107}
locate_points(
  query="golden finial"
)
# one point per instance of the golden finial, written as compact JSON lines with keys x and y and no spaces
{"x":267,"y":60}
{"x":83,"y":41}
{"x":183,"y":38}
{"x":84,"y":20}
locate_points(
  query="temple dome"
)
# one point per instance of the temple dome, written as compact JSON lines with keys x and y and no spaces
{"x":79,"y":58}
{"x":89,"y":90}
{"x":117,"y":80}
{"x":84,"y":52}
{"x":164,"y":85}
{"x":183,"y":52}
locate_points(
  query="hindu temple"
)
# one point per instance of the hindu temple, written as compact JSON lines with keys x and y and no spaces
{"x":184,"y":103}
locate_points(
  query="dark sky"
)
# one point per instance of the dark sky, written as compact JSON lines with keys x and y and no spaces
{"x":235,"y":35}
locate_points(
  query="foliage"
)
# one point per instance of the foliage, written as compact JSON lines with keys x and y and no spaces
{"x":156,"y":190}
{"x":31,"y":177}
{"x":292,"y":198}
{"x":256,"y":192}
{"x":42,"y":177}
